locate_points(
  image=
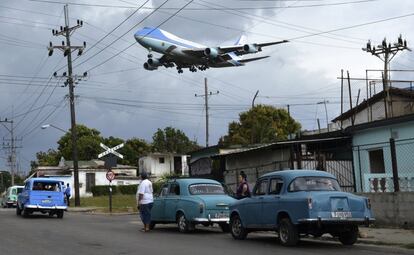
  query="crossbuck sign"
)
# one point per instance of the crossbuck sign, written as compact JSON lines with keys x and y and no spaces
{"x":111,"y":150}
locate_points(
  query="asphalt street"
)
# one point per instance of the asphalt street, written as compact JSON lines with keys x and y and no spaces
{"x":79,"y":233}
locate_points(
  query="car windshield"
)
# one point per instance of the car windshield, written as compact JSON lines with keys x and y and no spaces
{"x":206,"y":189}
{"x":19,"y":190}
{"x":46,"y":186}
{"x":314,"y":183}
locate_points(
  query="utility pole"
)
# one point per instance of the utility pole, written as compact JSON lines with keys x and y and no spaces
{"x":206,"y":95}
{"x":10,"y":144}
{"x":326,"y":113}
{"x":67,"y":49}
{"x":386,"y":52}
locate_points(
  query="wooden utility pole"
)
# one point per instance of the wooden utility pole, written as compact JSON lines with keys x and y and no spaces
{"x":206,"y":95}
{"x":67,"y":52}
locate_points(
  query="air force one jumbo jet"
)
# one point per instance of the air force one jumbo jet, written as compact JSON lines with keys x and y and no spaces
{"x":187,"y":54}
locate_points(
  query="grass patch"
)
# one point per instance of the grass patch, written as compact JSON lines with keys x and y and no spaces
{"x":120,"y":203}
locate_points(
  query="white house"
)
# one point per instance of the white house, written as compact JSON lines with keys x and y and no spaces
{"x":91,"y":173}
{"x":158,"y":164}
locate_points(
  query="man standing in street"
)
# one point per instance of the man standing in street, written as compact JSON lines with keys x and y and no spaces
{"x":67,"y":194}
{"x":145,"y":201}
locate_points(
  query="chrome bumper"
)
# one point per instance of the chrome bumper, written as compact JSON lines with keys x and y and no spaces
{"x":361,"y":221}
{"x":213,"y":220}
{"x":46,"y":207}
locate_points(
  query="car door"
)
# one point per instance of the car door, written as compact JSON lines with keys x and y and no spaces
{"x":158,"y":209}
{"x":254,"y":207}
{"x":171,"y":201}
{"x":271,"y":202}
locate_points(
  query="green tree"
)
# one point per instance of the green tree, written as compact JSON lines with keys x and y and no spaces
{"x":135,"y":148}
{"x":261,"y":124}
{"x":88,"y":143}
{"x":49,"y":158}
{"x":172,"y":140}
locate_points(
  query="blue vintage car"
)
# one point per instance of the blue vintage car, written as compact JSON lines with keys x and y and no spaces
{"x":41,"y":195}
{"x":191,"y":201}
{"x":300,"y":202}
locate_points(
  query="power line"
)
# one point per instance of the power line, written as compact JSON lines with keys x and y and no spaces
{"x":211,"y":8}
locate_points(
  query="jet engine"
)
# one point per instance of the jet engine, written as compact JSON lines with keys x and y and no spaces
{"x":211,"y":52}
{"x":149,"y":67}
{"x":251,"y":48}
{"x":154,"y":62}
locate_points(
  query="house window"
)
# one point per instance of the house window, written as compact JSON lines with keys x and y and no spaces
{"x":161,"y":160}
{"x":90,"y":181}
{"x":376,"y":161}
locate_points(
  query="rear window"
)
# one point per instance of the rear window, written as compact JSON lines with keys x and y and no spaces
{"x":314,"y":184}
{"x":46,"y":186}
{"x":206,"y":189}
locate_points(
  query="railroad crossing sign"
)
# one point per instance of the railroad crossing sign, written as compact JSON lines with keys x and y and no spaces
{"x":111,"y":150}
{"x":110,"y":175}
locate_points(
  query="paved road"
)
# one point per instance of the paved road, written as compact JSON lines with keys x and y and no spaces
{"x":79,"y":233}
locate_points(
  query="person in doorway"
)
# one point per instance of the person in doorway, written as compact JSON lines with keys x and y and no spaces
{"x":243,"y":189}
{"x":145,"y":201}
{"x":67,"y":194}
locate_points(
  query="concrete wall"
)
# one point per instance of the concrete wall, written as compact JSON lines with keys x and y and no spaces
{"x":393,"y":209}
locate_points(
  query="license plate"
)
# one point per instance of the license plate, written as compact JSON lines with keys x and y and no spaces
{"x":221,"y":215}
{"x":341,"y":215}
{"x":45,"y":201}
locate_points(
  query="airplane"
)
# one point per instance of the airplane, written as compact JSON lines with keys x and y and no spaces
{"x":182,"y":53}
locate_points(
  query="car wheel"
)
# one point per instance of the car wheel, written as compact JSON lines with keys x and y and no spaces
{"x":224,"y":227}
{"x":18,"y":210}
{"x":182,"y":223}
{"x":26,"y":212}
{"x":236,"y":228}
{"x":152,"y":225}
{"x":288,"y":233}
{"x":349,"y":237}
{"x":59,"y":214}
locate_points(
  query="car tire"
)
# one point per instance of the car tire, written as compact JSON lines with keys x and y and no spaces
{"x":225,"y":227}
{"x":184,"y":226}
{"x":26,"y":212}
{"x":236,"y":228}
{"x":60,"y":214}
{"x":18,"y":210}
{"x":288,"y":232}
{"x":350,"y":236}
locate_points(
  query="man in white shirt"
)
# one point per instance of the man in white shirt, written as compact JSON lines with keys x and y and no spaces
{"x":145,"y":201}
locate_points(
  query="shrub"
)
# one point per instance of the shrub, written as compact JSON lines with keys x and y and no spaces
{"x":127,"y":189}
{"x":103,"y":190}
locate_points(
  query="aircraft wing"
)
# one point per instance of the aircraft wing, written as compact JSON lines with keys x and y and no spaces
{"x":237,"y":49}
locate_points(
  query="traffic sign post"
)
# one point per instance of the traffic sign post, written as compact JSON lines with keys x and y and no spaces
{"x":110,"y":155}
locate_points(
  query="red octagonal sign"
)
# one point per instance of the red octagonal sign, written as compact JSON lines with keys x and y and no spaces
{"x":110,"y":175}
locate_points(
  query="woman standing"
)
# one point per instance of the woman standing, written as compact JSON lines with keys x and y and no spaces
{"x":145,"y":201}
{"x":243,"y":189}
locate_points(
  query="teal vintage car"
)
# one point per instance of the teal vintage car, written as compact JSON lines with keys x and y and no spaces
{"x":191,"y":201}
{"x":10,"y":198}
{"x":296,"y":203}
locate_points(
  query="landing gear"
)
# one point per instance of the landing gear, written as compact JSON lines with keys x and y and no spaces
{"x":179,"y":70}
{"x":193,"y":69}
{"x":202,"y":68}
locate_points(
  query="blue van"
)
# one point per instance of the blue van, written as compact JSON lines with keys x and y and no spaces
{"x":43,"y":195}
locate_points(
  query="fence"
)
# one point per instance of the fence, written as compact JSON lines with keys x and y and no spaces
{"x":385,"y":167}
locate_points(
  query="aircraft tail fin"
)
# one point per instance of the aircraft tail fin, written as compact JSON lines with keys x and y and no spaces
{"x":241,"y":40}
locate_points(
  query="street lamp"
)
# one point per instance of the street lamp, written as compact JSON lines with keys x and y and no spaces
{"x":53,"y":126}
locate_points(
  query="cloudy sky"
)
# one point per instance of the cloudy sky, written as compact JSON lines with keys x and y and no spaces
{"x":121,"y":99}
